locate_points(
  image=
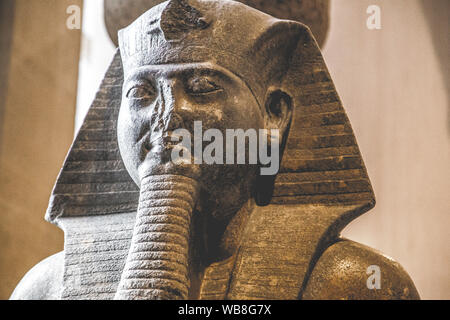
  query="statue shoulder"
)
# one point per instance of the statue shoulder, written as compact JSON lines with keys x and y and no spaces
{"x":43,"y":281}
{"x":349,"y":270}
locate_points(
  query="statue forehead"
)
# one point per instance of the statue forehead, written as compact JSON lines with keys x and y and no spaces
{"x":182,"y":69}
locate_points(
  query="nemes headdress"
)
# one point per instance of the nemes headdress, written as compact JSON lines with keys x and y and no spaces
{"x":322,"y":164}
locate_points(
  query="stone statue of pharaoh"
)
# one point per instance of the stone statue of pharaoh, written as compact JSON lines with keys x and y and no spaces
{"x":139,"y":225}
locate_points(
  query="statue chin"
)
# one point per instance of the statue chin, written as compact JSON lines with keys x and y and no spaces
{"x":224,"y":188}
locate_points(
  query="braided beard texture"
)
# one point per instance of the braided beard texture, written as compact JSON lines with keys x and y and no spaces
{"x":157,"y":265}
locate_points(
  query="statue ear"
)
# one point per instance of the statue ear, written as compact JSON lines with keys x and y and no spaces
{"x":93,"y":179}
{"x":279,"y":110}
{"x":278,"y":105}
{"x":321,"y":163}
{"x":279,"y":113}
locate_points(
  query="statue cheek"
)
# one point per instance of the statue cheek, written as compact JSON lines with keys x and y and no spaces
{"x":124,"y":128}
{"x":211,"y":115}
{"x":242,"y":119}
{"x":128,"y":134}
{"x":242,"y":112}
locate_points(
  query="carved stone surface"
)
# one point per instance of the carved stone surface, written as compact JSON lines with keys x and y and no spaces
{"x":139,"y":226}
{"x":313,"y":13}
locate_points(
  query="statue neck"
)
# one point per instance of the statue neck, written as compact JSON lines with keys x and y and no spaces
{"x":225,"y":248}
{"x":231,"y":238}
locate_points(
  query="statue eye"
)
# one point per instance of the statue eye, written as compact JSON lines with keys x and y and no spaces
{"x":140,"y":92}
{"x":201,"y":86}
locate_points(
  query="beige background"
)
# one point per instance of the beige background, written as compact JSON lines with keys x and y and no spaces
{"x":36,"y":129}
{"x":393,"y":82}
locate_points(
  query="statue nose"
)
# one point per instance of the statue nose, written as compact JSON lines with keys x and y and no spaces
{"x":171,"y":117}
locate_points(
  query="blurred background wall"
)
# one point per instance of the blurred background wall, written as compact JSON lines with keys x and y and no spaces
{"x":38,"y":72}
{"x":393,"y":82}
{"x":394,"y":85}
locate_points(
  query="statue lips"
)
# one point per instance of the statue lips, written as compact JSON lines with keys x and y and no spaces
{"x":160,"y":145}
{"x":156,"y":156}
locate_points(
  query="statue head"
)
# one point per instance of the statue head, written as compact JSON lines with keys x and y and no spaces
{"x":200,"y":62}
{"x":225,"y":66}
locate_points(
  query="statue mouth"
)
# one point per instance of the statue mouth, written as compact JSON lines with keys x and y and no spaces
{"x":161,"y":143}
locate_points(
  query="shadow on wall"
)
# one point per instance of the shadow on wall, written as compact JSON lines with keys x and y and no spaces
{"x":437,"y":14}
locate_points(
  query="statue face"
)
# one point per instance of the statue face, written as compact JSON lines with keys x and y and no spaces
{"x":159,"y":99}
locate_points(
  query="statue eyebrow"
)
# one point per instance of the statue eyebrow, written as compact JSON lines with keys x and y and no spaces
{"x":141,"y":75}
{"x":148,"y":73}
{"x":213,"y":72}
